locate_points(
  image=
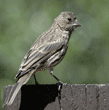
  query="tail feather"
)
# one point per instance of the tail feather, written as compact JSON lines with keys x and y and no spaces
{"x":15,"y":89}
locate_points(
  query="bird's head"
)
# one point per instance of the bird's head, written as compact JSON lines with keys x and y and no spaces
{"x":67,"y":21}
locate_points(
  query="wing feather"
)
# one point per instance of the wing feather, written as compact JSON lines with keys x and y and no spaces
{"x":37,"y":55}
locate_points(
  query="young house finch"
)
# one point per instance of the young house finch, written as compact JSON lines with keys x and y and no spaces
{"x":47,"y":51}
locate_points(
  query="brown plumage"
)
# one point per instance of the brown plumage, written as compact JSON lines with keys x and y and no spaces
{"x":47,"y":51}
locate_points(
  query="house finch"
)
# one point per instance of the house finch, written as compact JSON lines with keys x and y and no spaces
{"x":47,"y":51}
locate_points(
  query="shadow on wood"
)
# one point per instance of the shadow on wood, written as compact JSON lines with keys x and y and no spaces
{"x":34,"y":97}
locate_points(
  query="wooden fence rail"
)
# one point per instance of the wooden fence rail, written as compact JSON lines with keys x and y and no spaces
{"x":73,"y":97}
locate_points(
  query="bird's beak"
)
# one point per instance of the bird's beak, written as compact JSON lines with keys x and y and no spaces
{"x":76,"y":24}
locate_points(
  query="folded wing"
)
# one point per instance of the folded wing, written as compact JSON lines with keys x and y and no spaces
{"x":35,"y":56}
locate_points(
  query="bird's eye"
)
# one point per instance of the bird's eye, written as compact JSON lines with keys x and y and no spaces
{"x":69,"y":19}
{"x":74,"y":18}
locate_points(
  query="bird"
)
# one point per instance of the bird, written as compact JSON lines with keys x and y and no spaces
{"x":46,"y":52}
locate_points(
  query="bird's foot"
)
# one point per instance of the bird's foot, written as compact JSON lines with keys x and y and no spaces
{"x":60,"y":82}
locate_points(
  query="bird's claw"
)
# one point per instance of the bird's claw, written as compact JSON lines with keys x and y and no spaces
{"x":62,"y":83}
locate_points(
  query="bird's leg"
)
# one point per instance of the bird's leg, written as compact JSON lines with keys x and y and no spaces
{"x":51,"y":72}
{"x":35,"y":80}
{"x":59,"y":84}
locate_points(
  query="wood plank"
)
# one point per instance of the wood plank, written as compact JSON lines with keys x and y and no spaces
{"x":103,"y":97}
{"x":91,"y":95}
{"x":73,"y":97}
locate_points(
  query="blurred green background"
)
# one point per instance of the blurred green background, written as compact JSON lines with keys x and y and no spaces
{"x":86,"y":61}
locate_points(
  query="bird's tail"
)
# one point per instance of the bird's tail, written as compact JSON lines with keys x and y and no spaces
{"x":15,"y":89}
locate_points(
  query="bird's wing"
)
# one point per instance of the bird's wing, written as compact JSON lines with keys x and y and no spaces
{"x":37,"y":55}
